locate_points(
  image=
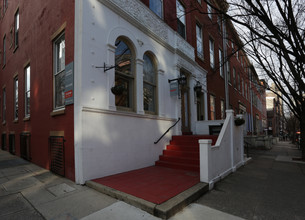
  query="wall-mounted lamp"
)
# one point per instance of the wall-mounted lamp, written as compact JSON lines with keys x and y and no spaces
{"x":181,"y":80}
{"x":198,"y":87}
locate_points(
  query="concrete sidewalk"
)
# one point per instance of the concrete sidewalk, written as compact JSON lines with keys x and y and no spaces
{"x":30,"y":192}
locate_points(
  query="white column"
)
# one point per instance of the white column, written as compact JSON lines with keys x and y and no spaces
{"x":205,"y":148}
{"x":139,"y":87}
{"x":160,"y":87}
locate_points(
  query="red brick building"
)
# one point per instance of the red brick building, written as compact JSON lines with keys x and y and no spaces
{"x":30,"y":115}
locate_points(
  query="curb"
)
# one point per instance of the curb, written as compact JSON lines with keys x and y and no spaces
{"x":164,"y":210}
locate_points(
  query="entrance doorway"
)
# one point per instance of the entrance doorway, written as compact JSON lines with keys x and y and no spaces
{"x":185,"y":106}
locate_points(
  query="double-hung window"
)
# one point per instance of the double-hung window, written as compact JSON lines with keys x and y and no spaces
{"x":16,"y":34}
{"x":181,"y":19}
{"x":156,"y":7}
{"x":220,"y":63}
{"x":212,"y":57}
{"x":27,"y":86}
{"x":16,"y":98}
{"x":199,"y":41}
{"x":59,"y":73}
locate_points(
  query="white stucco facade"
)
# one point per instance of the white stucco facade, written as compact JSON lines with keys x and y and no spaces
{"x":107,"y":139}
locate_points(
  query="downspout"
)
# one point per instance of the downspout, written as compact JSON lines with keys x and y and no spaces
{"x":225,"y":61}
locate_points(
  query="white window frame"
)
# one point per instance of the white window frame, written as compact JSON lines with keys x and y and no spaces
{"x":27,"y":90}
{"x":57,"y":72}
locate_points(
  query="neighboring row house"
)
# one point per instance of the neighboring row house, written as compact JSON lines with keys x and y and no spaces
{"x":89,"y":86}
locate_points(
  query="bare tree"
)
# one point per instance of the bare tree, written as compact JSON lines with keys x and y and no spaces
{"x":273,"y":35}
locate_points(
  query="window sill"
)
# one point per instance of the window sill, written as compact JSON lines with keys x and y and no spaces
{"x":57,"y":112}
{"x":27,"y":118}
{"x":15,"y":120}
{"x":16,"y":47}
{"x":4,"y":122}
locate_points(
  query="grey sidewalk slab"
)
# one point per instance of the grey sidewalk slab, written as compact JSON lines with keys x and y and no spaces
{"x":119,"y":211}
{"x":197,"y":211}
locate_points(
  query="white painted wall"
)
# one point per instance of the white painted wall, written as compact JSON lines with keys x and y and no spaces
{"x":108,"y":141}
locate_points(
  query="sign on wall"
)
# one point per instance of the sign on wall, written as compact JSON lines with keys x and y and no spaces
{"x":174,"y":88}
{"x":69,"y":84}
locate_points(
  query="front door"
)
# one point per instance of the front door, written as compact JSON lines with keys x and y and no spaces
{"x":185,"y":109}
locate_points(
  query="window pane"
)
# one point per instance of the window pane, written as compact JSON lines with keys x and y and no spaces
{"x":16,"y":98}
{"x":149,"y":84}
{"x":122,"y":58}
{"x":149,"y":97}
{"x":123,"y":75}
{"x":199,"y":41}
{"x":180,"y":19}
{"x":156,"y":7}
{"x":220,"y":63}
{"x":60,"y":89}
{"x":211,"y":42}
{"x":60,"y":54}
{"x":149,"y":70}
{"x":27,"y":90}
{"x":59,"y":75}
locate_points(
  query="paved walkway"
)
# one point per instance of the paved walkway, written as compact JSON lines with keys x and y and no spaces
{"x":271,"y":186}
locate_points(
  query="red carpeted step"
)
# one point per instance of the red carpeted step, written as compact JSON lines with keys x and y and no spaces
{"x":190,"y":148}
{"x":183,"y":152}
{"x":185,"y":160}
{"x":180,"y":166}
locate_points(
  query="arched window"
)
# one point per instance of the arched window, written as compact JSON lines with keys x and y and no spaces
{"x":149,"y":84}
{"x":124,"y":77}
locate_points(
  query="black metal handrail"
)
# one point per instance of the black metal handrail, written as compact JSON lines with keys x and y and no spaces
{"x":167,"y":131}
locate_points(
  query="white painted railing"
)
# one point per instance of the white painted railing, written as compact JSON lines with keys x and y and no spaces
{"x":226,"y":156}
